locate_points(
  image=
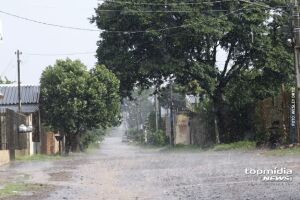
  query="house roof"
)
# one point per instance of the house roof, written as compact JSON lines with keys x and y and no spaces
{"x":29,"y":94}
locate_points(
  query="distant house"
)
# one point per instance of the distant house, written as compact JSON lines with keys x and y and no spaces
{"x":30,"y":96}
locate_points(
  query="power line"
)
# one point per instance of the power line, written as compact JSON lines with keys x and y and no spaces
{"x":166,"y":4}
{"x":8,"y":66}
{"x":111,"y":31}
{"x":48,"y":24}
{"x":157,"y":11}
{"x":62,"y":54}
{"x":188,"y":3}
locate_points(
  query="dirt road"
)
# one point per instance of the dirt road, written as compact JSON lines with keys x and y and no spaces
{"x":121,"y":171}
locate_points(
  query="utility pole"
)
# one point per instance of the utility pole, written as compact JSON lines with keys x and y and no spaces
{"x":171,"y":115}
{"x":18,"y":53}
{"x":296,"y":30}
{"x":156,"y":112}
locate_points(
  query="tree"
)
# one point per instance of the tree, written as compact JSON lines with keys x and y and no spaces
{"x":178,"y":97}
{"x":186,"y":45}
{"x":138,"y":108}
{"x":74,"y":100}
{"x":5,"y":81}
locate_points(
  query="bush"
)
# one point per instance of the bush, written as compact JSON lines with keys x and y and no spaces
{"x":242,"y":145}
{"x":92,"y":136}
{"x":158,"y":138}
{"x":135,"y":135}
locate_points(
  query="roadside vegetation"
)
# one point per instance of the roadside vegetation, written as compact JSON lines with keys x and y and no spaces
{"x":156,"y":69}
{"x":79,"y":103}
{"x":283,"y":151}
{"x":241,"y":145}
{"x":39,"y":157}
{"x":17,"y":189}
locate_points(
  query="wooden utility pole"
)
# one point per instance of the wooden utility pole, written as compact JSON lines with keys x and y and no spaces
{"x":296,"y":30}
{"x":18,"y":53}
{"x":156,"y":112}
{"x":172,"y":139}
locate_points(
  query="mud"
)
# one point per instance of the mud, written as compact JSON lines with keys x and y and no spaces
{"x":122,"y":171}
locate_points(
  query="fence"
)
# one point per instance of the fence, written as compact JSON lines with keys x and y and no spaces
{"x":191,"y":128}
{"x":10,"y":139}
{"x":274,"y":112}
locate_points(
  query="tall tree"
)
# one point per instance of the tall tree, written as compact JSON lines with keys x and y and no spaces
{"x":74,"y":100}
{"x":145,"y":44}
{"x":5,"y":81}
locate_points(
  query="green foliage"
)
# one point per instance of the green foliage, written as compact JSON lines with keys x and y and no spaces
{"x":74,"y":100}
{"x":63,"y":92}
{"x":258,"y":60}
{"x":135,"y":135}
{"x":92,"y":136}
{"x":178,"y":97}
{"x":151,"y":122}
{"x":5,"y":81}
{"x":15,"y":189}
{"x":138,"y":108}
{"x":38,"y":157}
{"x":283,"y":152}
{"x":241,"y":145}
{"x":157,"y":138}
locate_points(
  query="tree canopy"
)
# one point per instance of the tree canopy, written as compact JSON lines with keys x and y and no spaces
{"x":146,"y":44}
{"x":74,"y":100}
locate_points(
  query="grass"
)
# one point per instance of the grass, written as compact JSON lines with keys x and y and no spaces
{"x":92,"y":148}
{"x":15,"y":189}
{"x":283,"y":152}
{"x":242,"y":145}
{"x":38,"y":157}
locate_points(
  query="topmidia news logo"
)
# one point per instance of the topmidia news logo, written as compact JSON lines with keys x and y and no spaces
{"x":272,"y":175}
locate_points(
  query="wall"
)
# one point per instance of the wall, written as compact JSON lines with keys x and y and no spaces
{"x":4,"y":157}
{"x":202,"y":129}
{"x":182,"y":129}
{"x":274,"y":109}
{"x":49,"y":144}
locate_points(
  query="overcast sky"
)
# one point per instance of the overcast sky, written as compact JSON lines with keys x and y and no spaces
{"x":36,"y":38}
{"x":32,"y":38}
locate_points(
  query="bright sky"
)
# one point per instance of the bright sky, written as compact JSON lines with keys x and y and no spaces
{"x":34,"y":38}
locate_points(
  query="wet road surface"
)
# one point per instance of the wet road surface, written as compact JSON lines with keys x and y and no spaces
{"x":122,"y":171}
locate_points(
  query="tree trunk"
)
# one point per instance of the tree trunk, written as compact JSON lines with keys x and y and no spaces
{"x":218,"y":120}
{"x":76,"y":146}
{"x":216,"y":127}
{"x":68,"y":143}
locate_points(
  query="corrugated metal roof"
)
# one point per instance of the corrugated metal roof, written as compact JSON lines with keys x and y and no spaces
{"x":27,"y":108}
{"x":29,"y":94}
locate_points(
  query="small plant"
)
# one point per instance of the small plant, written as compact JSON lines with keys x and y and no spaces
{"x":158,"y":138}
{"x":283,"y":152}
{"x":242,"y":145}
{"x":38,"y":157}
{"x":135,"y":135}
{"x":91,"y":137}
{"x":16,"y":189}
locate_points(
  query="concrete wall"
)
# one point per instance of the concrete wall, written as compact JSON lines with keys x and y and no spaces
{"x":4,"y":157}
{"x":21,"y":152}
{"x":49,"y":144}
{"x":201,"y":129}
{"x":182,"y":129}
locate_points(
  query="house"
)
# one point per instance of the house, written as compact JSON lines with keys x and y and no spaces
{"x":25,"y":143}
{"x":30,"y":96}
{"x":14,"y":142}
